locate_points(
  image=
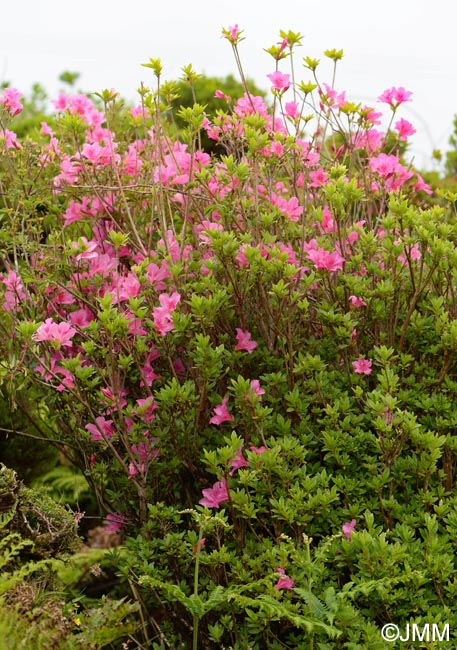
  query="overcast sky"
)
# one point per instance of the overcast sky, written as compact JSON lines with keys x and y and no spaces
{"x":410,"y":43}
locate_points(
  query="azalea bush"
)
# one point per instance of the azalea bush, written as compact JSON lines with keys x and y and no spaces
{"x":249,"y":355}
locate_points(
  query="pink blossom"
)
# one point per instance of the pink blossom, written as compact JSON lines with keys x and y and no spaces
{"x":157,"y":274}
{"x":421,"y":185}
{"x":255,"y":389}
{"x":76,"y":211}
{"x":101,"y":430}
{"x":244,"y":341}
{"x":291,"y":208}
{"x":213,"y":497}
{"x":250,"y":104}
{"x":124,"y":288}
{"x":413,"y":252}
{"x":389,"y":168}
{"x":10,"y":137}
{"x":87,"y":248}
{"x":220,"y":95}
{"x":81,"y":317}
{"x":362,"y":366}
{"x":232,"y":34}
{"x":162,"y":317}
{"x":61,"y":103}
{"x":325,"y":260}
{"x":292,"y":111}
{"x":238,"y":462}
{"x":221,"y":413}
{"x":357,"y":302}
{"x":284,"y":581}
{"x":60,"y":333}
{"x":348,"y":527}
{"x":333,"y":98}
{"x":371,"y":115}
{"x":14,"y":293}
{"x":163,"y":320}
{"x":115,"y":399}
{"x":328,"y":225}
{"x":10,"y":101}
{"x":258,"y":450}
{"x":146,"y":453}
{"x":318,"y":177}
{"x":145,"y":450}
{"x":395,"y":96}
{"x":280,"y":81}
{"x":115,"y":522}
{"x":404,"y":129}
{"x":146,"y":408}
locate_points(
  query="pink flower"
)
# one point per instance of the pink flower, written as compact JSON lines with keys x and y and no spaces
{"x":81,"y":317}
{"x":101,"y":430}
{"x":169,"y":302}
{"x":163,"y":320}
{"x":404,"y":129}
{"x":332,"y":98}
{"x":238,"y":462}
{"x":371,"y":115}
{"x":413,"y":252}
{"x":318,"y":177}
{"x":258,"y":450}
{"x":232,"y":34}
{"x":280,"y":82}
{"x":292,"y":110}
{"x":395,"y":96}
{"x":14,"y":290}
{"x":244,"y":341}
{"x":162,"y":316}
{"x":255,"y":389}
{"x":357,"y":302}
{"x":10,"y":101}
{"x":157,"y":274}
{"x":422,"y":185}
{"x":221,"y":413}
{"x":291,"y":208}
{"x":284,"y":581}
{"x":348,"y":527}
{"x":10,"y":139}
{"x":362,"y":366}
{"x":213,"y":497}
{"x":115,"y":399}
{"x":146,"y":408}
{"x":389,"y":168}
{"x":115,"y":521}
{"x":60,"y":333}
{"x":325,"y":260}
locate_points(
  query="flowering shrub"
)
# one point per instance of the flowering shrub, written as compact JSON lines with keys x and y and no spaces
{"x":251,"y":357}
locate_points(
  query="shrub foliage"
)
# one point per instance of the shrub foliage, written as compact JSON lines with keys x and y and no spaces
{"x":251,"y":355}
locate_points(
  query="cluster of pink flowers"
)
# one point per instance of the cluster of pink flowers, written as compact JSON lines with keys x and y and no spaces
{"x":163,"y":315}
{"x":59,"y":333}
{"x":14,"y":290}
{"x":10,"y":100}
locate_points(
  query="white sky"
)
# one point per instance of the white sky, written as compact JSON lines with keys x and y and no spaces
{"x":410,"y":43}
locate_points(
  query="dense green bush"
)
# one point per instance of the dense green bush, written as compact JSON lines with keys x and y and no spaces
{"x":251,"y":357}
